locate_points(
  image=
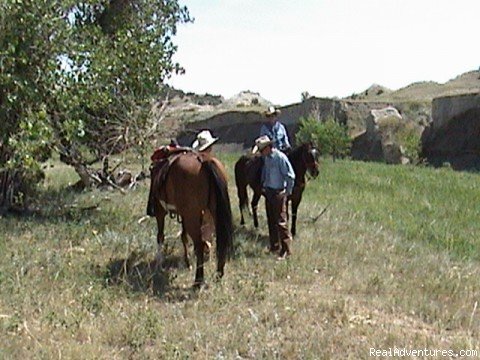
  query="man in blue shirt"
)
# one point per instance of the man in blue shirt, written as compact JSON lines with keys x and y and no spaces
{"x":275,"y":130}
{"x":278,"y":179}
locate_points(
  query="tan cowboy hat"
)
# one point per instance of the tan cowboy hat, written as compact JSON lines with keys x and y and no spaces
{"x":204,"y":140}
{"x":261,"y":143}
{"x":272,"y":111}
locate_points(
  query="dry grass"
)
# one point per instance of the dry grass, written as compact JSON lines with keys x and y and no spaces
{"x":374,"y":271}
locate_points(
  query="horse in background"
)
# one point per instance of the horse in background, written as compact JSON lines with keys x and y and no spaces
{"x":248,"y":171}
{"x":194,"y":186}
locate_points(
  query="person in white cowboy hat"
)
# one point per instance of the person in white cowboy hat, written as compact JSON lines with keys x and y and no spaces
{"x":275,"y":130}
{"x":204,"y":141}
{"x":204,"y":145}
{"x":278,"y":179}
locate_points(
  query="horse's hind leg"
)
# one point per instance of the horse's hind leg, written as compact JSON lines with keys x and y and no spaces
{"x":185,"y":246}
{"x":243,"y":203}
{"x":255,"y":200}
{"x":193,"y":229}
{"x":199,"y":272}
{"x":242,"y":220}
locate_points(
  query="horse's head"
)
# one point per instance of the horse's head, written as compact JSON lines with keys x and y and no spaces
{"x":310,"y":157}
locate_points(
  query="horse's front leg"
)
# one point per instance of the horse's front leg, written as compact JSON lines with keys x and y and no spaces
{"x":296,"y":198}
{"x":294,"y":219}
{"x":256,"y":198}
{"x":160,"y":216}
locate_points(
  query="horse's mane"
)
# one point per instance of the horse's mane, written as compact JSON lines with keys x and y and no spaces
{"x":297,"y":151}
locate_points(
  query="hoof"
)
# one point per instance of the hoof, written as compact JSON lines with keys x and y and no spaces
{"x":219,"y":275}
{"x":199,"y":285}
{"x":271,"y":250}
{"x":284,"y":256}
{"x":159,"y":258}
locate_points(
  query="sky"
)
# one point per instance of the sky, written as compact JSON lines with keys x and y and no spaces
{"x":329,"y":48}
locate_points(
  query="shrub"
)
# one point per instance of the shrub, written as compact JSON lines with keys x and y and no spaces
{"x":411,"y":142}
{"x":329,"y":136}
{"x":305,"y":96}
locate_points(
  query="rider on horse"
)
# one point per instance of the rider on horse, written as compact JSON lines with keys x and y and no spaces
{"x":203,"y":144}
{"x":275,"y":130}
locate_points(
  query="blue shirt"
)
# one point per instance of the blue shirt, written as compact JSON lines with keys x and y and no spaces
{"x":277,"y":172}
{"x":277,"y":133}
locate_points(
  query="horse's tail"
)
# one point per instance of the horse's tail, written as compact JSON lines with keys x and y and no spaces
{"x":223,"y":214}
{"x":241,"y":182}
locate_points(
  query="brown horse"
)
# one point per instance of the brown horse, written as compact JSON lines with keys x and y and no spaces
{"x":195,"y":188}
{"x":248,"y":172}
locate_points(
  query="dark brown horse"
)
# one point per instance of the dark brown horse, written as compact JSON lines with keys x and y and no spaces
{"x":248,"y":172}
{"x":195,"y":188}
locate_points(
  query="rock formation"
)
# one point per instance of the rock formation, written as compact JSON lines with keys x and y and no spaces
{"x":454,"y":133}
{"x":380,"y":140}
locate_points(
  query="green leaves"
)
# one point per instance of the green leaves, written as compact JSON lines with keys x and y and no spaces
{"x":83,"y":61}
{"x":329,"y":136}
{"x":32,"y":142}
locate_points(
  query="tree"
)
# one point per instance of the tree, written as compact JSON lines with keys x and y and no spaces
{"x":73,"y":75}
{"x":305,"y":96}
{"x":329,"y":136}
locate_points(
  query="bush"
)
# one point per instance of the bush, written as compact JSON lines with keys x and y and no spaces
{"x":328,"y":136}
{"x":411,"y":142}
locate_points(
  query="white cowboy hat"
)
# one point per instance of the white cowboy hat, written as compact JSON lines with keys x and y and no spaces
{"x":261,"y":143}
{"x":204,"y":140}
{"x":272,"y":111}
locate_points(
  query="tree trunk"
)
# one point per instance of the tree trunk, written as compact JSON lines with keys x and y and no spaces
{"x":85,"y":174}
{"x":15,"y":187}
{"x":6,"y":191}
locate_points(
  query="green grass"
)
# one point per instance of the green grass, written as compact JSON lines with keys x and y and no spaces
{"x":393,"y":261}
{"x":439,"y":207}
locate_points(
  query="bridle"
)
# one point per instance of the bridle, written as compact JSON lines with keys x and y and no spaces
{"x":310,"y":165}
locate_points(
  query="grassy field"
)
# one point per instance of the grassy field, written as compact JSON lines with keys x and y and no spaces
{"x":392,"y":262}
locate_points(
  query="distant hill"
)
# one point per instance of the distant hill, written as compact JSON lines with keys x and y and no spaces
{"x":188,"y":107}
{"x":374,"y":91}
{"x":176,"y":108}
{"x":246,"y":99}
{"x":425,"y":91}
